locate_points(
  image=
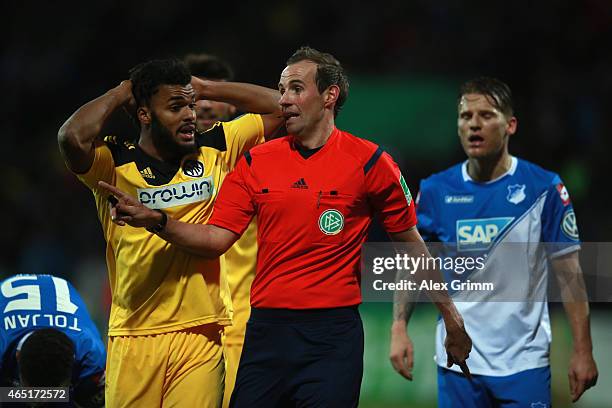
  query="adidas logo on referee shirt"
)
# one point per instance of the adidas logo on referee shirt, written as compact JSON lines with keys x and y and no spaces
{"x":301,"y":183}
{"x":147,"y":173}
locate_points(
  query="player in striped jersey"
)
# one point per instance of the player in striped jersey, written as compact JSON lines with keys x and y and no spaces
{"x":488,"y":205}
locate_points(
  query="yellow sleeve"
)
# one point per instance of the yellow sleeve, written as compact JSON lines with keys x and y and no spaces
{"x":241,"y":134}
{"x":102,"y":168}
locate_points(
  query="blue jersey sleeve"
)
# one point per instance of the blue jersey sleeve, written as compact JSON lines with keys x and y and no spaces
{"x":426,"y":212}
{"x":90,"y":351}
{"x":559,"y":226}
{"x":91,"y":355}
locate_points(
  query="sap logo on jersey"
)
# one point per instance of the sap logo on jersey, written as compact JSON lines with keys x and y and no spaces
{"x":479,"y":234}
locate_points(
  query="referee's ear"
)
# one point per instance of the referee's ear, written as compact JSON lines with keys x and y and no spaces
{"x":331,"y":96}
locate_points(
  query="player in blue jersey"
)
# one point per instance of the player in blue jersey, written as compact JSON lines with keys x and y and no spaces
{"x":476,"y":207}
{"x":48,"y":339}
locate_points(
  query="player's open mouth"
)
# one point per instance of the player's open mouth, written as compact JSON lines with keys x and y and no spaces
{"x":290,"y":115}
{"x":475,"y":140}
{"x":186,"y":132}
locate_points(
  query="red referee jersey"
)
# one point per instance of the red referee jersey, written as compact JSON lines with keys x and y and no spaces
{"x":312,"y":216}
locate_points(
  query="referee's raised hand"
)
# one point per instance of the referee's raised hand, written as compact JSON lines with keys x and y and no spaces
{"x":125,"y":209}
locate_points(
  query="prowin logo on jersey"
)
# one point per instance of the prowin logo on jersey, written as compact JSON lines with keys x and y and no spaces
{"x":177,"y":194}
{"x":479,"y":234}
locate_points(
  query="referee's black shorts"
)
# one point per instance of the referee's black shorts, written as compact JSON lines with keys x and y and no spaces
{"x":300,"y":358}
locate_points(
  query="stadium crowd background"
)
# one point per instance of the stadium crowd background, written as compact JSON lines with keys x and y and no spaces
{"x":405,"y":60}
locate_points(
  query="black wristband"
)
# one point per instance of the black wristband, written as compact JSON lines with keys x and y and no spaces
{"x":156,"y":229}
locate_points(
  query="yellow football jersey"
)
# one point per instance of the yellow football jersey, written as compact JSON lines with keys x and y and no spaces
{"x":157,"y":287}
{"x":240,"y":262}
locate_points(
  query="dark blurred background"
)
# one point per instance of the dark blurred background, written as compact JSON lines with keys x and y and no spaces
{"x":405,"y":59}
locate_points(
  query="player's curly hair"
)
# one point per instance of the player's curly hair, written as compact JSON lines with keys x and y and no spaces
{"x":329,"y":72}
{"x":46,"y":359}
{"x":148,"y":76}
{"x":497,"y":91}
{"x":209,"y":66}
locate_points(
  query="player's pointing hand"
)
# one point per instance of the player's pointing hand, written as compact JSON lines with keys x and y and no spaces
{"x":125,"y":209}
{"x":458,"y":346}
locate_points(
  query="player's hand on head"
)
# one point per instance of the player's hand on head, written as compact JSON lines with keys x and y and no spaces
{"x":198,"y":85}
{"x":401,"y":354}
{"x":582,"y":374}
{"x":125,"y":209}
{"x":129,"y":106}
{"x":458,"y":345}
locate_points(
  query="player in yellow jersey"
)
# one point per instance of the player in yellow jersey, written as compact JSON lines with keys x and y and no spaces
{"x":241,"y":259}
{"x":168,"y":306}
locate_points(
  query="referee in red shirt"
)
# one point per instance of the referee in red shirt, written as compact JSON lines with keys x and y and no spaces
{"x":314,"y":193}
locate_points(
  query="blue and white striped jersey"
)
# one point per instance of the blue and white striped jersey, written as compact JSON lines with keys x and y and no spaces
{"x":525,"y":205}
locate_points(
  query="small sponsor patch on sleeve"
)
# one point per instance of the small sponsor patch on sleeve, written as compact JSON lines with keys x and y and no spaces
{"x":569,"y":226}
{"x":563,"y":194}
{"x":405,"y":189}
